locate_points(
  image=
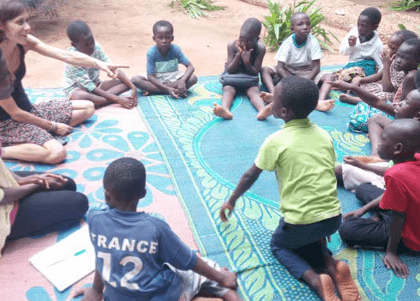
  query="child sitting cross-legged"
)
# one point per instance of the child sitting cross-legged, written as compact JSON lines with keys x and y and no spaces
{"x":303,"y":156}
{"x":84,"y":83}
{"x":242,"y":67}
{"x":163,"y":75}
{"x":139,"y":257}
{"x":300,"y":54}
{"x":399,"y":230}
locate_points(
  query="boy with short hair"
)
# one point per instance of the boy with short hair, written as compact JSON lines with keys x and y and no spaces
{"x":303,"y":156}
{"x":84,"y":83}
{"x":300,"y":54}
{"x":163,"y":75}
{"x":363,"y":46}
{"x":139,"y":257}
{"x":245,"y":57}
{"x":399,"y":231}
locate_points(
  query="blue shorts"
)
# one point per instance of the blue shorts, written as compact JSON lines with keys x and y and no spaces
{"x":299,"y":247}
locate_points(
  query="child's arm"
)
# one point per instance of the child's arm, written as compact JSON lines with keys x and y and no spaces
{"x":369,"y":98}
{"x":94,"y":293}
{"x":233,"y":59}
{"x":386,"y":71}
{"x":362,"y":211}
{"x":182,"y":82}
{"x":224,"y":277}
{"x":357,"y":81}
{"x":246,"y":59}
{"x":281,"y":69}
{"x":154,"y":80}
{"x":316,"y":68}
{"x":408,"y":84}
{"x":379,"y":170}
{"x":391,"y":259}
{"x":247,"y":180}
{"x":349,"y":42}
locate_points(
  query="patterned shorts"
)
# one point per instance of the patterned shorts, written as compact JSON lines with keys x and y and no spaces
{"x":193,"y":283}
{"x":13,"y":132}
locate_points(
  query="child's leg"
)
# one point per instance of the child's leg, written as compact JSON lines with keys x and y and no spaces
{"x":254,"y":96}
{"x":267,"y":75}
{"x":143,"y":84}
{"x":325,"y":104}
{"x":341,"y":276}
{"x":354,"y":100}
{"x":376,"y":124}
{"x":97,"y":100}
{"x":192,"y":80}
{"x":82,"y":110}
{"x":227,"y":99}
{"x":114,"y":86}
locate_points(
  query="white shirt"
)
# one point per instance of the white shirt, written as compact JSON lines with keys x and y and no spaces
{"x":299,"y":56}
{"x":371,"y":49}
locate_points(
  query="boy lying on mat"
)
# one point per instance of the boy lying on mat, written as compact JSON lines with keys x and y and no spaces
{"x":303,"y":156}
{"x":139,"y":257}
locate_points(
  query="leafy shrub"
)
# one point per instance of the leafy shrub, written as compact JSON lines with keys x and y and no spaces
{"x":406,"y":5}
{"x":278,"y":24}
{"x":196,"y":8}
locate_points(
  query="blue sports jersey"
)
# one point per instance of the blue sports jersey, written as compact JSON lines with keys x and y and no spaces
{"x":156,"y":63}
{"x":131,"y":250}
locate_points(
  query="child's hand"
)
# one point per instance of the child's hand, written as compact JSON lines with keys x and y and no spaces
{"x":134,"y":96}
{"x":182,"y":89}
{"x":222,"y":214}
{"x":355,"y":213}
{"x":110,"y":69}
{"x":356,"y":81}
{"x":246,"y":56}
{"x":173,"y":92}
{"x":63,"y":129}
{"x":239,"y":46}
{"x":340,"y":85}
{"x":229,"y":280}
{"x":386,"y":60}
{"x":392,"y":261}
{"x":353,"y":161}
{"x":89,"y":293}
{"x":352,"y":41}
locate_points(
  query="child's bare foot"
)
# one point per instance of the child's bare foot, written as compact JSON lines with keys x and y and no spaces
{"x":264,"y":113}
{"x":325,"y":105}
{"x":349,"y":99}
{"x":368,"y":159}
{"x":328,"y":288}
{"x":267,"y":97}
{"x":218,"y":110}
{"x":345,"y":283}
{"x":145,"y":93}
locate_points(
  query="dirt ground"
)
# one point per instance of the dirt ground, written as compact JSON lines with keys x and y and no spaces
{"x":124,"y":29}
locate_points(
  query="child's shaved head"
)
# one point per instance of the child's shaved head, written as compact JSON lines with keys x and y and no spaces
{"x":296,"y":15}
{"x":406,"y":132}
{"x":77,"y":29}
{"x":251,"y":27}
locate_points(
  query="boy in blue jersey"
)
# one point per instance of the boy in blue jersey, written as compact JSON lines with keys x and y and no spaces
{"x":139,"y":257}
{"x":163,"y":75}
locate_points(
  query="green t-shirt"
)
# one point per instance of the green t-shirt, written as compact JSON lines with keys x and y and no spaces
{"x":303,"y":156}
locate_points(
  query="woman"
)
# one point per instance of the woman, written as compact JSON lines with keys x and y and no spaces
{"x":32,"y":202}
{"x":25,"y":129}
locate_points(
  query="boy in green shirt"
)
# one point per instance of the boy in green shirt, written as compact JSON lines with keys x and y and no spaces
{"x":303,"y":156}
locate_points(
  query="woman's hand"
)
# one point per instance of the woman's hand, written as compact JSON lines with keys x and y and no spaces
{"x":62,"y":129}
{"x":110,"y":69}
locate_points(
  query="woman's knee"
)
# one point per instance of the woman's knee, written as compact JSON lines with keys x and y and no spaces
{"x":55,"y":152}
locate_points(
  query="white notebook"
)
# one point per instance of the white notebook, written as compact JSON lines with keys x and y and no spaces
{"x":68,"y":261}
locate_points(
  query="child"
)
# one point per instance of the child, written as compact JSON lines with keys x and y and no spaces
{"x":363,"y":46}
{"x":84,"y":83}
{"x":138,"y":257}
{"x":385,"y":83}
{"x":245,"y":58}
{"x":303,"y":156}
{"x":407,"y":59}
{"x":300,"y":54}
{"x":163,"y":75}
{"x":400,"y":141}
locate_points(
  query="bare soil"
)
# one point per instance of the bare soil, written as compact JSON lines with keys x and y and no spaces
{"x":124,"y":29}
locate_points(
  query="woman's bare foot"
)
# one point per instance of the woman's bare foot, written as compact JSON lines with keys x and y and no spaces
{"x":350,"y":99}
{"x":218,"y":110}
{"x":328,"y":288}
{"x":267,"y":97}
{"x":325,"y":105}
{"x":264,"y":113}
{"x":345,"y":283}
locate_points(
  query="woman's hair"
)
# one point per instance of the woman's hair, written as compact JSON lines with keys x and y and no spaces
{"x":9,"y":9}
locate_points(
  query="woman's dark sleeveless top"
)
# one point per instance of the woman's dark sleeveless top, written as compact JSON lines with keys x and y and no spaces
{"x":18,"y":94}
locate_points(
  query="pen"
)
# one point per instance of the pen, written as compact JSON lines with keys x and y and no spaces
{"x":62,"y":259}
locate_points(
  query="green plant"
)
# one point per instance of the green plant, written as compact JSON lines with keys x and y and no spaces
{"x":196,"y":8}
{"x":406,"y":5}
{"x":402,"y":27}
{"x":278,"y":24}
{"x":44,"y":7}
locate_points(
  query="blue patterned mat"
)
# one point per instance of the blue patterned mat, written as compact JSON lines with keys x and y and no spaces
{"x":207,"y":155}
